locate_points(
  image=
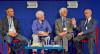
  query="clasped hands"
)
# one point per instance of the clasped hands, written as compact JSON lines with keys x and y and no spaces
{"x":43,"y":33}
{"x":13,"y":34}
{"x":62,"y":33}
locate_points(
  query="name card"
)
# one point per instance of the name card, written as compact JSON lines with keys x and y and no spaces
{"x":32,"y":4}
{"x":72,"y":4}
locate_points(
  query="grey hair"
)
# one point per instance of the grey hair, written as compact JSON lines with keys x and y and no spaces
{"x":89,"y":10}
{"x":38,"y":13}
{"x":62,"y":10}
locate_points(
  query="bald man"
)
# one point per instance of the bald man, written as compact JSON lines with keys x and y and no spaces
{"x":86,"y":29}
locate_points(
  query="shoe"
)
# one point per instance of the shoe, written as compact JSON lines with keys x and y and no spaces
{"x":66,"y":52}
{"x":53,"y":52}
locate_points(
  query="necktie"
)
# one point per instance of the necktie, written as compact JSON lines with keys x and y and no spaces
{"x":86,"y":23}
{"x":64,"y":23}
{"x":84,"y":27}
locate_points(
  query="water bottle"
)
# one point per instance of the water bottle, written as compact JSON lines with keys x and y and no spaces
{"x":61,"y":43}
{"x":52,"y":42}
{"x":47,"y":42}
{"x":29,"y":43}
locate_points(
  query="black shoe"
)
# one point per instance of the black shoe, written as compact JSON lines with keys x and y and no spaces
{"x":53,"y":52}
{"x":80,"y":52}
{"x":13,"y":52}
{"x":66,"y":52}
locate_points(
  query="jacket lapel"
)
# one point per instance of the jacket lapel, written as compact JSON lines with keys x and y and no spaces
{"x":7,"y":21}
{"x":14,"y":21}
{"x":7,"y":24}
{"x":60,"y":24}
{"x":90,"y":21}
{"x":84,"y":22}
{"x":67,"y":22}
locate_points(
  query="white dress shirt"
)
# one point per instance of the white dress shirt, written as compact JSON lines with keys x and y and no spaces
{"x":88,"y":21}
{"x":11,"y":26}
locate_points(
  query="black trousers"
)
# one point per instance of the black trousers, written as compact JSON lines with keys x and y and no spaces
{"x":91,"y":42}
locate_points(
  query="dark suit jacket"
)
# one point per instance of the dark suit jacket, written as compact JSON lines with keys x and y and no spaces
{"x":91,"y":27}
{"x":4,"y":26}
{"x":59,"y":27}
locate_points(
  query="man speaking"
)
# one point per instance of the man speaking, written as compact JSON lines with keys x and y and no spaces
{"x":86,"y":29}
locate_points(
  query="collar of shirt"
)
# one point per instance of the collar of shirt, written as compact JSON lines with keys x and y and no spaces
{"x":89,"y":19}
{"x":8,"y":17}
{"x":39,"y":22}
{"x":10,"y":20}
{"x":62,"y":20}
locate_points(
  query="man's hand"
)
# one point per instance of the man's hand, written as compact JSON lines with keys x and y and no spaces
{"x":74,"y":22}
{"x":46,"y":33}
{"x":40,"y":33}
{"x":43,"y":33}
{"x":13,"y":34}
{"x":62,"y":33}
{"x":79,"y":34}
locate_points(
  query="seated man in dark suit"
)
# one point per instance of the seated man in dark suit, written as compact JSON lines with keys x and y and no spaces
{"x":87,"y":29}
{"x":10,"y":30}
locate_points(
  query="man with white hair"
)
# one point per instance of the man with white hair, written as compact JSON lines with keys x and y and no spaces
{"x":64,"y":29}
{"x":40,"y":27}
{"x":86,"y":30}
